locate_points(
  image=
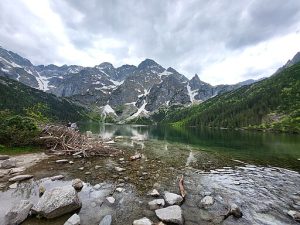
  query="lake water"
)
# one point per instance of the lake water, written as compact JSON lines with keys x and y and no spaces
{"x":267,"y":149}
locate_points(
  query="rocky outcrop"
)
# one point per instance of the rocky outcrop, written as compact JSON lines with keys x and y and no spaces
{"x":57,"y":201}
{"x":18,"y":213}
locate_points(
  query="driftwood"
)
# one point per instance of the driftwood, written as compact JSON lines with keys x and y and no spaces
{"x":66,"y":140}
{"x":181,"y":187}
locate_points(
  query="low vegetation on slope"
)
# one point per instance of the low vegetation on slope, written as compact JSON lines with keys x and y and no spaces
{"x":273,"y":103}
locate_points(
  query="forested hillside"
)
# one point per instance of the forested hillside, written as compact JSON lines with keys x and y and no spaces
{"x":273,"y":103}
{"x":21,"y":99}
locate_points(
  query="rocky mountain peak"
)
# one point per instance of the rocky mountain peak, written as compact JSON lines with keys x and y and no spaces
{"x":148,"y":63}
{"x":171,"y":70}
{"x":105,"y":65}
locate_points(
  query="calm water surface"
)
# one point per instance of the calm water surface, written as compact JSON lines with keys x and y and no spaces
{"x":260,"y":148}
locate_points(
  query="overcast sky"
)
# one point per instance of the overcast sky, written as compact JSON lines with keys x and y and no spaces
{"x":224,"y":41}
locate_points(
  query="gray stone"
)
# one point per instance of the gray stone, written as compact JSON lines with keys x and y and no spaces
{"x":89,"y":134}
{"x":97,"y":187}
{"x":235,"y":211}
{"x":143,"y":221}
{"x":20,"y":178}
{"x":119,"y":189}
{"x":8,"y":163}
{"x":171,"y":214}
{"x":207,"y":201}
{"x":77,"y":184}
{"x":81,"y":168}
{"x":58,"y":177}
{"x":172,"y":198}
{"x":97,"y":167}
{"x":57,"y":201}
{"x":18,"y":213}
{"x":4,"y":157}
{"x":17,"y":170}
{"x":106,"y":220}
{"x":156,"y":204}
{"x":73,"y":220}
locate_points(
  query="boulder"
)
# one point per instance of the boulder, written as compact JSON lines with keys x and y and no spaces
{"x":18,"y":213}
{"x":207,"y":201}
{"x":235,"y":211}
{"x":4,"y":157}
{"x":57,"y":201}
{"x":77,"y":184}
{"x":295,"y":215}
{"x":8,"y":163}
{"x":171,"y":214}
{"x":156,"y":204}
{"x":73,"y":220}
{"x":172,"y":198}
{"x":106,"y":220}
{"x":143,"y":221}
{"x":20,"y":178}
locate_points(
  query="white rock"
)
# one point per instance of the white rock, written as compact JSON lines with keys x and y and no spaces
{"x":119,"y":189}
{"x":143,"y":221}
{"x":154,"y":193}
{"x":17,"y":170}
{"x":97,"y":167}
{"x":73,"y":220}
{"x":172,"y":198}
{"x":97,"y":187}
{"x":20,"y":178}
{"x":156,"y":204}
{"x":294,"y":214}
{"x":111,"y":200}
{"x":119,"y":169}
{"x":13,"y":186}
{"x":171,"y":214}
{"x":207,"y":200}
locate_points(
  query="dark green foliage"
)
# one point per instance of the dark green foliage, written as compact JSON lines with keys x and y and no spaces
{"x":17,"y":130}
{"x":273,"y":103}
{"x":24,"y":100}
{"x":141,"y":121}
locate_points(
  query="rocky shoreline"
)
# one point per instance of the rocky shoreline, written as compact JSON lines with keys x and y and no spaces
{"x":142,"y":188}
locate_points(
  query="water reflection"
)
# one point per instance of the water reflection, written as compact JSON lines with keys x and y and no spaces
{"x":254,"y":147}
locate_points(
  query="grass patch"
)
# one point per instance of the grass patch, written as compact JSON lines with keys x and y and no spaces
{"x":18,"y":150}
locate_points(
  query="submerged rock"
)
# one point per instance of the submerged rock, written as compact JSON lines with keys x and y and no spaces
{"x":172,"y":198}
{"x":171,"y":214}
{"x":156,"y":204}
{"x":20,"y":178}
{"x":77,"y":184}
{"x":143,"y":221}
{"x":235,"y":211}
{"x":73,"y":220}
{"x":8,"y":163}
{"x":111,"y":200}
{"x":207,"y":201}
{"x":57,"y":201}
{"x":18,"y":213}
{"x":106,"y":220}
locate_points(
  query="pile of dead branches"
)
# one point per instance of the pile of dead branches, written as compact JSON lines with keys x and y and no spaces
{"x":68,"y":141}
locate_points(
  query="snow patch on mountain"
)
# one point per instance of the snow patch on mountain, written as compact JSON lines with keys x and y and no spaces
{"x":42,"y":82}
{"x":191,"y":93}
{"x":141,"y":112}
{"x":107,"y":109}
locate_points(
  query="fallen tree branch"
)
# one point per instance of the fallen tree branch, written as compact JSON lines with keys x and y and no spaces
{"x":181,"y":187}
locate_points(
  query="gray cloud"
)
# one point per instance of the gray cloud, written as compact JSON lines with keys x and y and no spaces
{"x":187,"y":35}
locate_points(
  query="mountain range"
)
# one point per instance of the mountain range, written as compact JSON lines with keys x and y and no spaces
{"x":123,"y":93}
